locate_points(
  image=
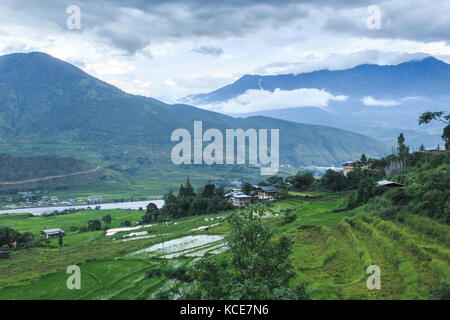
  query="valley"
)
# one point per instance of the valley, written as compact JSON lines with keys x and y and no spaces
{"x":331,"y":252}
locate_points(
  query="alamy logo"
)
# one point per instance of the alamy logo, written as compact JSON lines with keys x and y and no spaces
{"x":73,"y":22}
{"x":74,"y":281}
{"x":374,"y":17}
{"x":214,"y":153}
{"x":374,"y":281}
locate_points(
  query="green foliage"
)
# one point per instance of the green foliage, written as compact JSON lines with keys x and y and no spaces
{"x":366,"y":191}
{"x":289,"y":216}
{"x":402,"y":149}
{"x":427,"y":117}
{"x":363,"y":158}
{"x":301,"y":181}
{"x":60,"y":240}
{"x":330,"y":247}
{"x":13,"y":239}
{"x":94,"y":225}
{"x":126,"y":223}
{"x":334,"y":180}
{"x":256,"y":268}
{"x":442,"y":292}
{"x":189,"y":203}
{"x":247,"y":188}
{"x":20,"y":168}
{"x":151,"y":215}
{"x":107,"y":219}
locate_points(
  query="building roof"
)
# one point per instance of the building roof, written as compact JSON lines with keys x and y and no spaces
{"x":241,"y":196}
{"x":269,"y":189}
{"x":388,"y":183}
{"x":56,"y":230}
{"x":236,"y":194}
{"x":352,"y":163}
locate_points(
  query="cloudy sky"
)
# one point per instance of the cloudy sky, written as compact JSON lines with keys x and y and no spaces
{"x":169,"y":49}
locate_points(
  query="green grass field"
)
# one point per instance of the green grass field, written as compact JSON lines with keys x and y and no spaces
{"x":332,"y":251}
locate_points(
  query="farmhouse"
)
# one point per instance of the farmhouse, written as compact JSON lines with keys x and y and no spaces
{"x":267,"y":192}
{"x":389,"y":184}
{"x":238,"y":198}
{"x":350,"y":166}
{"x":95,"y":199}
{"x":434,"y":151}
{"x":51,"y":233}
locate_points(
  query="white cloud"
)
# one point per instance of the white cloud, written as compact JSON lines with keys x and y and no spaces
{"x":255,"y":38}
{"x":258,"y":100}
{"x":369,"y":101}
{"x":310,"y":62}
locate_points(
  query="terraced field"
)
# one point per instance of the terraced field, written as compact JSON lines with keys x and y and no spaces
{"x":335,"y":260}
{"x":332,"y":251}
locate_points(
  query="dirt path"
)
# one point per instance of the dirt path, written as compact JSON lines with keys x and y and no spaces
{"x":50,"y":177}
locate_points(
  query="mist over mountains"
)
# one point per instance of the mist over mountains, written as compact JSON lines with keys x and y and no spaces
{"x":376,"y":100}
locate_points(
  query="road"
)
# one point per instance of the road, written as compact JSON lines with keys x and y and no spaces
{"x":50,"y":177}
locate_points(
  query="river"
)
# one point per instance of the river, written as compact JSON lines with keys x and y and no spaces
{"x":134,"y":205}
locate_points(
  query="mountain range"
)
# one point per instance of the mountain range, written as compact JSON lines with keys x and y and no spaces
{"x":48,"y":106}
{"x":376,"y":100}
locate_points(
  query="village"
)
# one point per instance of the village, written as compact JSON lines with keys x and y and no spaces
{"x":38,"y":198}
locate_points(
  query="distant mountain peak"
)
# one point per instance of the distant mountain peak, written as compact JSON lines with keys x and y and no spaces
{"x":421,"y":77}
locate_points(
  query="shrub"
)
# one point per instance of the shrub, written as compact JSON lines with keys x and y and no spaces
{"x":442,"y":292}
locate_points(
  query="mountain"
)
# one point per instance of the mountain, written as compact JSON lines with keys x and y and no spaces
{"x":50,"y":106}
{"x":381,"y":101}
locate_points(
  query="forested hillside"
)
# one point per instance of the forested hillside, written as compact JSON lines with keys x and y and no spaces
{"x":14,"y":169}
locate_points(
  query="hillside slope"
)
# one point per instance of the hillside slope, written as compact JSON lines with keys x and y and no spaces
{"x":49,"y":102}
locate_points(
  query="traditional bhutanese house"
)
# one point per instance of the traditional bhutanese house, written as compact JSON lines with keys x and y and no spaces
{"x":238,"y":198}
{"x":241,"y":200}
{"x":435,"y":151}
{"x":350,"y":166}
{"x":389,"y":184}
{"x":4,"y":254}
{"x":267,"y":193}
{"x":95,"y":199}
{"x":51,"y":233}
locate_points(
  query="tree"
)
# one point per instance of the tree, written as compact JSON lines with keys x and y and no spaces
{"x":247,"y":188}
{"x":402,"y":149}
{"x":189,"y":189}
{"x":257,"y":267}
{"x":60,"y":240}
{"x":94,"y":225}
{"x":301,"y":181}
{"x":9,"y":237}
{"x":363,"y":158}
{"x":334,"y":180}
{"x":422,"y":148}
{"x":152,"y":214}
{"x":208,"y":190}
{"x":276,"y":181}
{"x":107,"y":219}
{"x":220,"y":192}
{"x":126,"y":223}
{"x":427,"y":117}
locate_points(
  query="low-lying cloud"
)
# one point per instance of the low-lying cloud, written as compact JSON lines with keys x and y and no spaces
{"x":258,"y":100}
{"x":370,"y":101}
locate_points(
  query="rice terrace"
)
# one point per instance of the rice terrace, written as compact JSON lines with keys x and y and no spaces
{"x":332,"y":250}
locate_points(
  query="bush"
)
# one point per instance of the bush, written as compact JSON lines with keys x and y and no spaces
{"x":94,"y":225}
{"x":126,"y":223}
{"x":442,"y":292}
